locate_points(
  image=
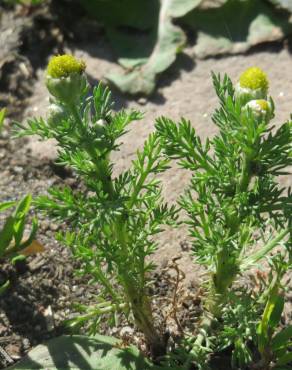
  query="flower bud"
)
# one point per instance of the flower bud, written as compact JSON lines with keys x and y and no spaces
{"x":65,"y":78}
{"x":56,"y":114}
{"x":101,"y":122}
{"x":99,"y":128}
{"x":261,"y":109}
{"x":253,"y":84}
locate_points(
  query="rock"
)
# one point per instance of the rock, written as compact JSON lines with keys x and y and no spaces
{"x":54,"y":227}
{"x":50,"y":323}
{"x":36,"y":264}
{"x":142,"y":101}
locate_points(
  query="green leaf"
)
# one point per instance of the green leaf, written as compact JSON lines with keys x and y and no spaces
{"x":170,"y":40}
{"x":270,"y":318}
{"x":277,"y":311}
{"x":284,"y":359}
{"x":23,"y":206}
{"x":4,"y":287}
{"x":282,"y":338}
{"x":19,"y":215}
{"x":220,"y":32}
{"x":131,"y":57}
{"x":149,"y":28}
{"x":32,"y":235}
{"x":118,"y":13}
{"x":6,"y":205}
{"x":84,"y":353}
{"x":2,"y":116}
{"x":6,"y":234}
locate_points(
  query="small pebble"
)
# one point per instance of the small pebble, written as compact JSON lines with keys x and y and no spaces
{"x":54,"y":227}
{"x":142,"y":101}
{"x":25,"y":343}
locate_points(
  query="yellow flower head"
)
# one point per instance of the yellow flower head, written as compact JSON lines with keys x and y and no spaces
{"x":263,"y":104}
{"x":262,"y":110}
{"x":64,"y":65}
{"x":254,"y":78}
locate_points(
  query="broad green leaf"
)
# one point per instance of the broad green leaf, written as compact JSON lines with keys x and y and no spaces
{"x":169,"y":41}
{"x":143,"y":36}
{"x":220,"y":32}
{"x":137,"y":14}
{"x":284,"y":360}
{"x":129,"y":56}
{"x":278,"y":353}
{"x":6,"y":205}
{"x":2,"y":116}
{"x":84,"y":353}
{"x":282,"y":338}
{"x":146,"y":41}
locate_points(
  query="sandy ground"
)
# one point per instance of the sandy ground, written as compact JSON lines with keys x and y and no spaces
{"x":184,"y":91}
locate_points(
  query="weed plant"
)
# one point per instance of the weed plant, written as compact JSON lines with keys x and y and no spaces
{"x":237,"y":212}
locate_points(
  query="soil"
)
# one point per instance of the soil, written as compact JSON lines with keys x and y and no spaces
{"x":44,"y":286}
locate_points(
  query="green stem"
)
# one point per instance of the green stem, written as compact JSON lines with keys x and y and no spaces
{"x":98,"y":311}
{"x":245,"y":175}
{"x":226,"y":265}
{"x":101,"y":277}
{"x":140,"y":184}
{"x":222,"y":279}
{"x":144,"y":320}
{"x":138,"y":300}
{"x":247,"y":262}
{"x":136,"y":296}
{"x":103,"y":173}
{"x":107,"y":309}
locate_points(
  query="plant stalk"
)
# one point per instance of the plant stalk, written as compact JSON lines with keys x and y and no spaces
{"x":144,"y":320}
{"x":265,"y":250}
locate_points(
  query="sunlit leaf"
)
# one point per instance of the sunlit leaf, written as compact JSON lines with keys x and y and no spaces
{"x":6,"y":205}
{"x":2,"y":116}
